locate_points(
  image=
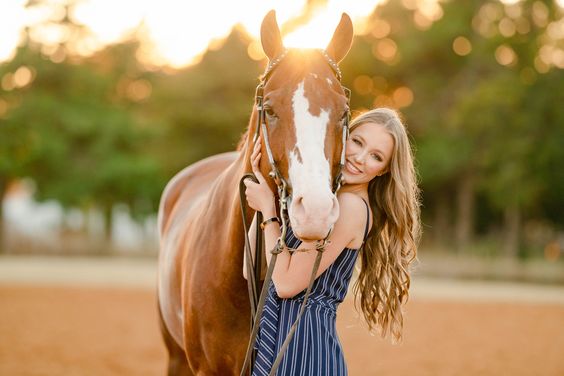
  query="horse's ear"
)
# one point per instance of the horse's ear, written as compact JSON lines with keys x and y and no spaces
{"x":270,"y":36}
{"x":342,"y":39}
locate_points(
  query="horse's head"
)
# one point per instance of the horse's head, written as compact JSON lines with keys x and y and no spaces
{"x":305,"y":108}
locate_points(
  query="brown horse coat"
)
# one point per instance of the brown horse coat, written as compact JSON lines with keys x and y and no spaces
{"x":203,"y":300}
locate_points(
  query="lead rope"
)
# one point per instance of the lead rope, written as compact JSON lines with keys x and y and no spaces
{"x":258,"y":313}
{"x":279,"y":247}
{"x":320,"y":248}
{"x":252,"y":287}
{"x":302,"y":310}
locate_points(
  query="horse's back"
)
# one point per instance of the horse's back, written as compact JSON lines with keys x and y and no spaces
{"x":180,"y":201}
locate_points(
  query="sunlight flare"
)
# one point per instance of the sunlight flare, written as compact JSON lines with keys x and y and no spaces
{"x":11,"y":21}
{"x":172,"y":32}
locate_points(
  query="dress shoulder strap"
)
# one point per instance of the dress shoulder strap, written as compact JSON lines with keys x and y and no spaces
{"x":367,"y":221}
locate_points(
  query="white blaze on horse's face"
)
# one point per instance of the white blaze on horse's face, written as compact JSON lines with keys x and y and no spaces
{"x":314,"y":208}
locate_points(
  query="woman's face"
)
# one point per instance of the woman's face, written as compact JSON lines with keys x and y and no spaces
{"x":368,"y":152}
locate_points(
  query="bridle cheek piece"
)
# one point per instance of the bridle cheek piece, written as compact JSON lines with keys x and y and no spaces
{"x":275,"y":174}
{"x":282,"y":187}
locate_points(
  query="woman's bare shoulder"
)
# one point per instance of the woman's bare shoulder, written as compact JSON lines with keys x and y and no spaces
{"x":351,"y":205}
{"x":349,"y":198}
{"x":353,"y":212}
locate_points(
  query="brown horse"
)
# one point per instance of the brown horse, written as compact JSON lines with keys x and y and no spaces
{"x":202,"y":295}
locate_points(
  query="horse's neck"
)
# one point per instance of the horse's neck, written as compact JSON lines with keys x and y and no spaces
{"x":224,"y":206}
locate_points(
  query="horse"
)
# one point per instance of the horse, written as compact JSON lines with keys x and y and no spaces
{"x":203,"y":305}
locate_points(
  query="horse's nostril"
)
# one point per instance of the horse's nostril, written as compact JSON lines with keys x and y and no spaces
{"x":314,"y":207}
{"x":298,"y":206}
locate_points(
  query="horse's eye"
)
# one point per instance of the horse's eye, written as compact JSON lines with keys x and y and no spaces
{"x":270,"y":112}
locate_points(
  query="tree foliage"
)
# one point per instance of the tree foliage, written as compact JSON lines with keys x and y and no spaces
{"x":471,"y":80}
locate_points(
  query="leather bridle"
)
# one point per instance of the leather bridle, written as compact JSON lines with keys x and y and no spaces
{"x":282,"y":187}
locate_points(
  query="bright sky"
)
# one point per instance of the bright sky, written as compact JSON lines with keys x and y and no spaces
{"x":174,"y":32}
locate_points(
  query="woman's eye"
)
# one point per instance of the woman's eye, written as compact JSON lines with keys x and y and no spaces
{"x":356,"y":141}
{"x":376,"y":157}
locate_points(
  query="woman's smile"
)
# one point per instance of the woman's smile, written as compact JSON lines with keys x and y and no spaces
{"x":352,"y":168}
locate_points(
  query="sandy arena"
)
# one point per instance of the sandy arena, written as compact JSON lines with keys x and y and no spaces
{"x":98,"y":321}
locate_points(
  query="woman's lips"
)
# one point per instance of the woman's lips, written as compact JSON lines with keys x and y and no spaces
{"x":352,"y":169}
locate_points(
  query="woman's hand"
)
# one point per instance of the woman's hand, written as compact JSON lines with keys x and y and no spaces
{"x":259,"y":196}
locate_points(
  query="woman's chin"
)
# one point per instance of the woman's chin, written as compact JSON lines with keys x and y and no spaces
{"x":350,"y":178}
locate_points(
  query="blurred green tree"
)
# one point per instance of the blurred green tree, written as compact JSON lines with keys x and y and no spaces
{"x":477,"y":75}
{"x":80,"y":147}
{"x":207,"y":106}
{"x":474,"y":81}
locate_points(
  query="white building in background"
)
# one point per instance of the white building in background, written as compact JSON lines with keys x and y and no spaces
{"x":45,"y":224}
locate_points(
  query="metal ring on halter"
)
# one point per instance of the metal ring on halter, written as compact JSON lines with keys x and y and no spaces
{"x":278,"y":248}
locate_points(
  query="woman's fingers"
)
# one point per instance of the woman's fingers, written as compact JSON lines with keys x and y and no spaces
{"x":259,"y":176}
{"x":252,"y":193}
{"x":256,"y":151}
{"x":257,"y":145}
{"x":259,"y":195}
{"x":255,"y":162}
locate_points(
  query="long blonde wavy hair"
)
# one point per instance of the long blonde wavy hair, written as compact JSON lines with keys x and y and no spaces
{"x":383,"y":283}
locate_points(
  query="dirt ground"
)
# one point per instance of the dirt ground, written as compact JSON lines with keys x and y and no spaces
{"x":98,"y":330}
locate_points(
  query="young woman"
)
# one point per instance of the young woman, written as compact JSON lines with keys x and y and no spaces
{"x":378,"y":221}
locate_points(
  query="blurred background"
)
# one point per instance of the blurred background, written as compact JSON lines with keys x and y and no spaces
{"x":102,"y":102}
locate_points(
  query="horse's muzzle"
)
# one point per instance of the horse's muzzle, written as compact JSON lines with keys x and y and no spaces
{"x":313,"y":216}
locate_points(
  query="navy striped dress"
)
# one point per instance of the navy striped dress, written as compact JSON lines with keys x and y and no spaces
{"x":315,"y":348}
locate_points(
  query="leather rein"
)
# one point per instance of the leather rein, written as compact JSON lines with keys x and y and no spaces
{"x":254,"y":272}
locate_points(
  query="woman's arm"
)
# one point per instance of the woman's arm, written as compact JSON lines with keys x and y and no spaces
{"x":292,"y":272}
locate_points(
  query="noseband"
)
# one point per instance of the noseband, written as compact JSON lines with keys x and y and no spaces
{"x":282,"y":186}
